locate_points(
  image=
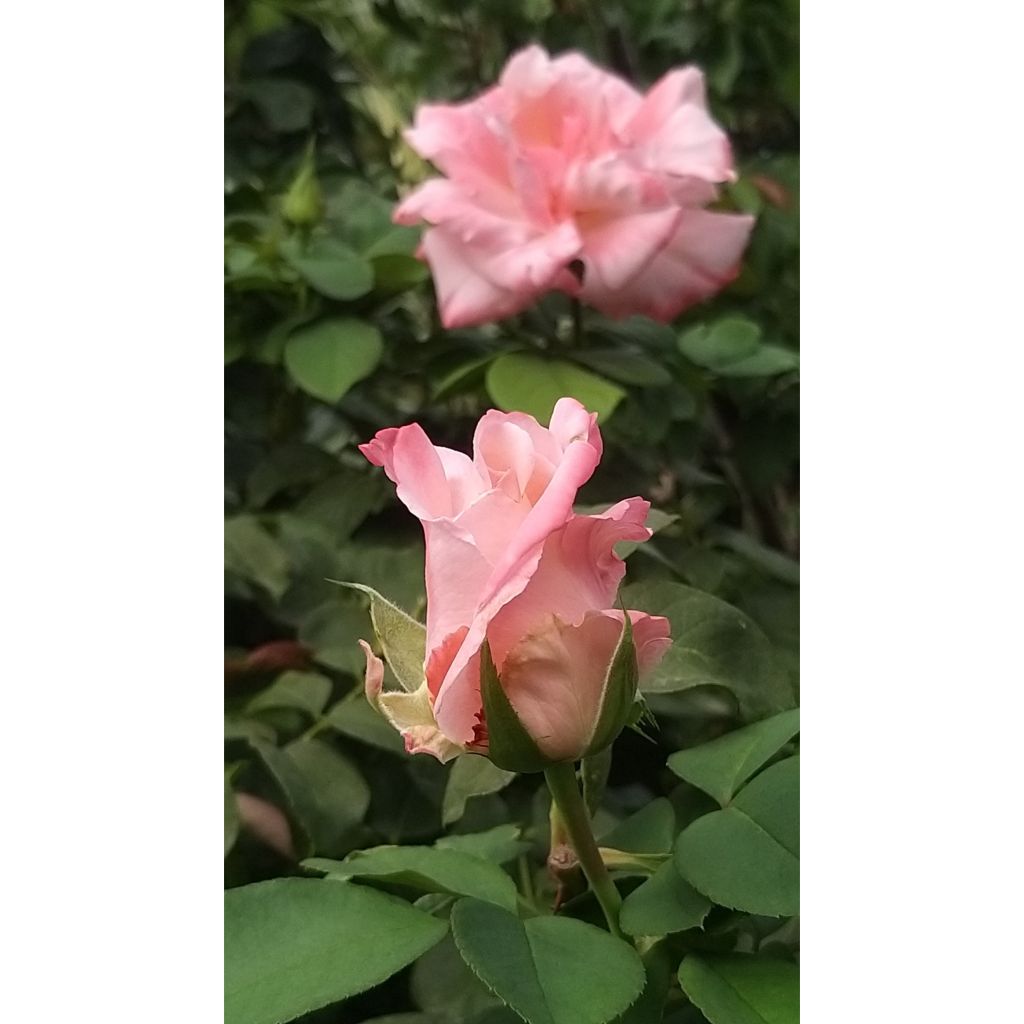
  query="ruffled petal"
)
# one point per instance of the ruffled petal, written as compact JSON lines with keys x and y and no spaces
{"x":701,"y":258}
{"x":413,"y":464}
{"x":578,"y":573}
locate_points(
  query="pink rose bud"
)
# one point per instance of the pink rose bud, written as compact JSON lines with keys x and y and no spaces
{"x":509,"y":563}
{"x":562,"y":162}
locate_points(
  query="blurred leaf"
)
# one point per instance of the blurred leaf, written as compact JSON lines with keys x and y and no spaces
{"x":329,"y":357}
{"x":721,"y":766}
{"x":324,"y":791}
{"x":747,"y":856}
{"x":663,"y":904}
{"x":726,"y":341}
{"x":767,"y":361}
{"x":550,"y":970}
{"x":355,"y":718}
{"x":250,"y":552}
{"x":342,"y":502}
{"x":442,"y":984}
{"x":500,"y":844}
{"x":230,"y":815}
{"x":332,"y":632}
{"x":306,"y":691}
{"x":292,"y":945}
{"x":625,"y":366}
{"x":426,"y":868}
{"x":287,"y":466}
{"x":286,"y":105}
{"x":528,"y":383}
{"x":713,"y":643}
{"x":742,"y":989}
{"x":330,"y":266}
{"x":471,"y":775}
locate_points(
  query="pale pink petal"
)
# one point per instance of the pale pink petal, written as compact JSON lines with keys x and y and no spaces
{"x":617,"y":248}
{"x":578,"y":572}
{"x":465,"y":297}
{"x":412,"y":463}
{"x":554,"y":679}
{"x":465,"y":484}
{"x":652,"y":637}
{"x":511,"y":574}
{"x":570,"y":422}
{"x":460,"y":139}
{"x":701,"y":258}
{"x":664,"y":98}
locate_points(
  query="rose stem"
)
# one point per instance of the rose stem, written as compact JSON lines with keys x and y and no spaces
{"x":561,"y":780}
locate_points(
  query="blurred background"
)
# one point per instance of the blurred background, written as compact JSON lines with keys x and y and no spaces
{"x":332,"y":333}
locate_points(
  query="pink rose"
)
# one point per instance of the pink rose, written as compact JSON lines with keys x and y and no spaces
{"x":561,"y":161}
{"x":508,"y":561}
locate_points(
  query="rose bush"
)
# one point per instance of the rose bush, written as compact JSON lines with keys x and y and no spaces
{"x":561,"y":162}
{"x":507,"y":561}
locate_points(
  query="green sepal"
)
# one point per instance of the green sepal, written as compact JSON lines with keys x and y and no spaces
{"x":619,"y":692}
{"x":509,"y":745}
{"x":402,"y":639}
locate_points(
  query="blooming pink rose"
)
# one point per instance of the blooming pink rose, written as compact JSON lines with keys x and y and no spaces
{"x":508,"y":561}
{"x":561,"y":161}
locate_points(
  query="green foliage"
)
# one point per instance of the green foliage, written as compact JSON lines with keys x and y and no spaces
{"x":522,"y":962}
{"x":332,"y":333}
{"x":742,"y":989}
{"x":289,"y":945}
{"x":723,"y":765}
{"x":747,"y":855}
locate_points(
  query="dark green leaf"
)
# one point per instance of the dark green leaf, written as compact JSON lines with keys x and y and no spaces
{"x":250,"y":552}
{"x":725,"y":342}
{"x":292,"y":945}
{"x":650,"y":830}
{"x":471,"y":775}
{"x":550,"y":970}
{"x":741,"y":989}
{"x":715,"y":644}
{"x":721,"y":766}
{"x":426,"y":868}
{"x":500,"y":844}
{"x":325,"y":792}
{"x":747,"y":856}
{"x":306,"y":691}
{"x":354,"y":717}
{"x":662,"y":905}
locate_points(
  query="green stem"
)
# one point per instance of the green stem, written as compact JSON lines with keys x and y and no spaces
{"x":561,"y":780}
